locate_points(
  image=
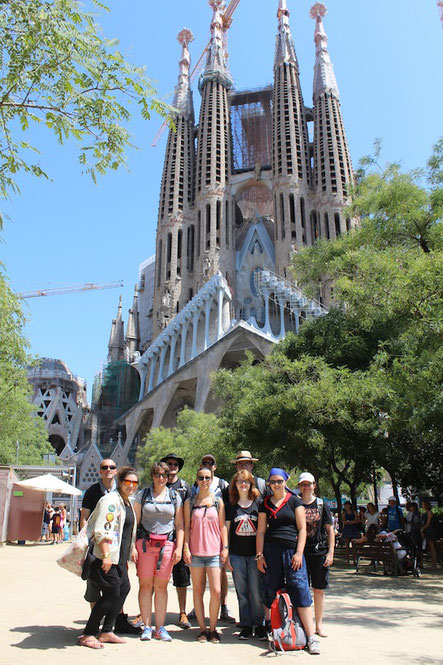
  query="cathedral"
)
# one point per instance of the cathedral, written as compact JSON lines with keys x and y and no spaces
{"x":259,"y":176}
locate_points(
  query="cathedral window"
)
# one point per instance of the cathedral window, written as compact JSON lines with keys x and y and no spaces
{"x":326,"y":221}
{"x":292,"y":215}
{"x":190,"y":247}
{"x":208,"y":226}
{"x":199,"y":232}
{"x":282,"y":216}
{"x":227,"y":224}
{"x":159,"y":263}
{"x":337,"y":224}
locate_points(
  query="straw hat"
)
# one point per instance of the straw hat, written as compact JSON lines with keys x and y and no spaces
{"x":244,"y":456}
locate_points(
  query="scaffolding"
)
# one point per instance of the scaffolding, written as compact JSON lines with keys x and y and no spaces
{"x":251,"y":123}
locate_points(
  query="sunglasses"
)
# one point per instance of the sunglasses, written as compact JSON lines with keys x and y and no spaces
{"x":130,"y":483}
{"x":172,"y":464}
{"x":161,"y":475}
{"x":203,"y":478}
{"x":105,"y":467}
{"x":276,"y":482}
{"x":243,"y":482}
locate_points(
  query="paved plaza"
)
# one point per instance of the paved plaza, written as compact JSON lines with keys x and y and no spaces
{"x":370,"y":619}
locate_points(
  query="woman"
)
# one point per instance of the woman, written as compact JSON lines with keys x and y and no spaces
{"x":159,"y":512}
{"x":413,"y":524}
{"x":429,"y":532}
{"x":205,"y":550}
{"x":241,"y":525}
{"x":112,"y":526}
{"x":281,"y":538}
{"x":351,"y":522}
{"x":320,"y":542}
{"x":371,"y":515}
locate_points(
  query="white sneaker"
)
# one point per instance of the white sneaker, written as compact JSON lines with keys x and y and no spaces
{"x":313,"y":645}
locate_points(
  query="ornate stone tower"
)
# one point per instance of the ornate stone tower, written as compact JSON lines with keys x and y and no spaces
{"x":116,"y":344}
{"x":333,"y":175}
{"x":176,"y":197}
{"x":290,"y":156}
{"x":132,"y":339}
{"x":213,"y":202}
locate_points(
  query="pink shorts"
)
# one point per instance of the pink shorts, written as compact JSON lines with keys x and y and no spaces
{"x":147,"y":561}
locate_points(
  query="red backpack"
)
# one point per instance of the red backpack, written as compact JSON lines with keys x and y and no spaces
{"x":286,"y":631}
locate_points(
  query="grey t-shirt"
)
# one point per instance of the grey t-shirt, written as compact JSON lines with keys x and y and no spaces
{"x":158,"y":516}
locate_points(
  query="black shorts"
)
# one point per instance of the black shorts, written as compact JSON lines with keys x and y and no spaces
{"x":180,"y":574}
{"x":318,"y":574}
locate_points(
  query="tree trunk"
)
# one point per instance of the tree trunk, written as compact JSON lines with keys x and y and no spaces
{"x":374,"y":486}
{"x":337,"y":493}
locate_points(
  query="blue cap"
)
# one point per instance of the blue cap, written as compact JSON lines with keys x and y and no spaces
{"x":275,"y":471}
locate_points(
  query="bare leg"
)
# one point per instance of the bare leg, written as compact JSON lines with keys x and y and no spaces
{"x":145,"y":599}
{"x":319,"y":603}
{"x":161,"y":601}
{"x":215,"y":591}
{"x":181,"y":595}
{"x":305,"y":614}
{"x":224,"y":586}
{"x":433,"y":553}
{"x":198,"y":587}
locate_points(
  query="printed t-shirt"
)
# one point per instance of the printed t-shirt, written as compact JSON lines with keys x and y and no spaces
{"x":316,"y":519}
{"x":394,"y":515}
{"x":282,"y":528}
{"x":157,"y":516}
{"x":243,"y":528}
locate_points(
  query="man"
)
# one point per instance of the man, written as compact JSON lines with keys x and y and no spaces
{"x":180,"y":573}
{"x":93,"y":494}
{"x":244,"y":460}
{"x":218,"y":487}
{"x":395,"y":515}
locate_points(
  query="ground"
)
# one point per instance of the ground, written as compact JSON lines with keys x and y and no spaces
{"x":370,"y":619}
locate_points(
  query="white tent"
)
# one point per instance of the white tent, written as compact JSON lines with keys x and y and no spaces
{"x":49,"y":483}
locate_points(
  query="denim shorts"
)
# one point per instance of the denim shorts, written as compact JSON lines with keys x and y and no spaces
{"x":205,"y":561}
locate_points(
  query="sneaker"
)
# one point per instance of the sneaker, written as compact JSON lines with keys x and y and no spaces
{"x":138,"y":622}
{"x":122,"y":625}
{"x":225,"y":616}
{"x":214,"y":637}
{"x":313,"y":645}
{"x":162,"y":634}
{"x":245,"y":633}
{"x":184,"y":622}
{"x":146,"y":634}
{"x":260,"y":633}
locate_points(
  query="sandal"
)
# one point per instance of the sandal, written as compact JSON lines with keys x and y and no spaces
{"x":203,"y":636}
{"x":89,"y":641}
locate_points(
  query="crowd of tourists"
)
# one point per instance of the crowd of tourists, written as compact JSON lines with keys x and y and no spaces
{"x":267,"y":535}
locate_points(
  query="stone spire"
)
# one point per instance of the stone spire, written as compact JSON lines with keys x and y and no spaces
{"x":117,"y":337}
{"x":132,"y":339}
{"x":176,"y":196}
{"x":324,"y":77}
{"x":216,"y":67}
{"x":284,"y":45}
{"x":183,"y":94}
{"x":333,"y":176}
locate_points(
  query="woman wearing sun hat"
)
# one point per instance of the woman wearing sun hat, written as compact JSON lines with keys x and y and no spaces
{"x":281,"y":538}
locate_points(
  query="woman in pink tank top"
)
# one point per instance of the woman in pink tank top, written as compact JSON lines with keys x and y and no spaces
{"x":205,"y":549}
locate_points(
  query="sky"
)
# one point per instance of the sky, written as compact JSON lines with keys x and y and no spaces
{"x":387,"y":57}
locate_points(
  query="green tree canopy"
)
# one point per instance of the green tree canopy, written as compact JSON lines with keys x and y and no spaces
{"x":57,"y":69}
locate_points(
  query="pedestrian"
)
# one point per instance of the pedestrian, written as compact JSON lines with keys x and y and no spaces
{"x":371,"y":515}
{"x":281,"y":538}
{"x":429,"y":532}
{"x":46,"y":521}
{"x":351,"y":522}
{"x":414,"y":524}
{"x":205,"y":550}
{"x":244,"y":460}
{"x":159,"y":512}
{"x":319,"y":548}
{"x":395,"y":515}
{"x":56,"y":530}
{"x":181,"y":576}
{"x":241,"y":525}
{"x":218,"y":488}
{"x":112,"y":526}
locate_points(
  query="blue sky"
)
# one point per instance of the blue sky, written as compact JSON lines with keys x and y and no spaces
{"x":387,"y":57}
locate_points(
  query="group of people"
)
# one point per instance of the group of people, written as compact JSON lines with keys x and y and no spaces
{"x":366,"y":525}
{"x":53,"y":522}
{"x":260,"y":530}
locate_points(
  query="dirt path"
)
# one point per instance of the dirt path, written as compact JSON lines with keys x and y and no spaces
{"x":371,"y":620}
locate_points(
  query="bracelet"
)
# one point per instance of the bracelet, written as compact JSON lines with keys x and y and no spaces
{"x":258,"y":556}
{"x":225,"y":547}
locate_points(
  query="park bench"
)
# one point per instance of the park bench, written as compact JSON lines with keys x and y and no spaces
{"x":376,"y":552}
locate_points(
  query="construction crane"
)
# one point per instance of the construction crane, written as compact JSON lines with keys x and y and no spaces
{"x":61,"y":290}
{"x":227,"y":22}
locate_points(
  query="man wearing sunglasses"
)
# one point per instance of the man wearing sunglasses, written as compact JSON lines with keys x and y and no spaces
{"x":107,"y":483}
{"x":180,"y":573}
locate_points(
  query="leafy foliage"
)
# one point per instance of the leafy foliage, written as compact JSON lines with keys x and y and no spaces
{"x":17,"y":420}
{"x":58,"y":70}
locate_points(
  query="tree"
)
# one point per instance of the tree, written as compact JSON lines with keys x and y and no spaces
{"x":58,"y":70}
{"x":23,"y":437}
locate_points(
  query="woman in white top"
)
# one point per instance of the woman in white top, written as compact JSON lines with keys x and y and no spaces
{"x":371,"y":516}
